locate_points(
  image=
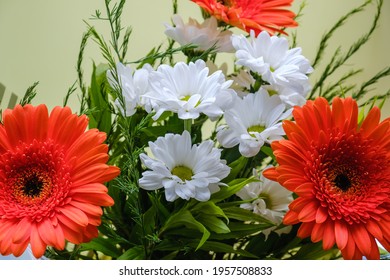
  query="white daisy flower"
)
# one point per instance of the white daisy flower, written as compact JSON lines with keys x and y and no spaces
{"x":252,"y":121}
{"x":269,"y":200}
{"x":205,"y":35}
{"x":243,"y":81}
{"x":188,"y":91}
{"x":184,"y":170}
{"x":289,"y":96}
{"x":133,"y":85}
{"x":270,"y":57}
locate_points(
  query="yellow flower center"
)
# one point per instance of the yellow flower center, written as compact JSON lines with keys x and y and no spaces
{"x":255,"y":128}
{"x":272,"y":92}
{"x":182,"y":172}
{"x":187,"y":97}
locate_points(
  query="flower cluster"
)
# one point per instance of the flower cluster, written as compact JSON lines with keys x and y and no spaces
{"x":282,"y":160}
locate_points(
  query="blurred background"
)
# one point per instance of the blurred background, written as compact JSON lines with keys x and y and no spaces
{"x":40,"y":40}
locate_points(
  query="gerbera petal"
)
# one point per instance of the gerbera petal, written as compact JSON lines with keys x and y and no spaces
{"x":95,"y":198}
{"x":349,"y":251}
{"x":75,"y":215}
{"x":290,"y":218}
{"x":374,"y":252}
{"x":317,"y":233}
{"x":38,"y":246}
{"x":305,"y":230}
{"x":22,"y":231}
{"x":47,"y":233}
{"x":362,"y":239}
{"x":341,"y":234}
{"x":371,"y":121}
{"x":328,"y":236}
{"x":308,"y":212}
{"x":87,"y":208}
{"x":374,"y":229}
{"x":75,"y":237}
{"x":19,"y":249}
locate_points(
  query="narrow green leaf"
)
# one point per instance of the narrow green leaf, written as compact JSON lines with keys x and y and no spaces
{"x":185,"y":218}
{"x":236,"y":167}
{"x":135,"y":253}
{"x":209,"y":208}
{"x":102,"y":245}
{"x":213,"y":223}
{"x":245,"y":215}
{"x":232,"y":188}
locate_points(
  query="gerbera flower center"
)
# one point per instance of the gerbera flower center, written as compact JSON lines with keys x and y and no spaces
{"x":32,"y":184}
{"x":182,"y":172}
{"x":255,"y":128}
{"x":342,"y":182}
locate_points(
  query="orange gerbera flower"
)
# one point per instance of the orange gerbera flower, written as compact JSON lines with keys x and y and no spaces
{"x":340,"y":170}
{"x":51,"y":175}
{"x":257,"y":15}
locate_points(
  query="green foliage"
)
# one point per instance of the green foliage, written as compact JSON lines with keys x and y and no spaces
{"x":338,"y":59}
{"x":29,"y":95}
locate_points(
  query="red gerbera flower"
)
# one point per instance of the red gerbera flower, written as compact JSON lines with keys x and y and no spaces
{"x":257,"y":15}
{"x":340,"y":170}
{"x":51,"y":175}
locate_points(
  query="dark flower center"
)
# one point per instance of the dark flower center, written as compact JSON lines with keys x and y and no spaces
{"x":33,"y":185}
{"x":342,"y":182}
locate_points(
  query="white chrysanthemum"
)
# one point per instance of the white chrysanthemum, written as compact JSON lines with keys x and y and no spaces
{"x":133,"y":85}
{"x":252,"y":121}
{"x":269,"y":200}
{"x":289,"y":96}
{"x":242,"y":82}
{"x":186,"y":89}
{"x":184,"y":170}
{"x":205,"y":35}
{"x":270,"y":57}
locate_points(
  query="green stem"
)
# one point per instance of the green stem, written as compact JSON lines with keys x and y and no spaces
{"x":187,"y":125}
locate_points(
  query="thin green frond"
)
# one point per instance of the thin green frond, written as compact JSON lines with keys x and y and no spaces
{"x":29,"y":95}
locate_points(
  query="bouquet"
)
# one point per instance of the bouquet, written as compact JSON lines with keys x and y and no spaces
{"x":176,"y":156}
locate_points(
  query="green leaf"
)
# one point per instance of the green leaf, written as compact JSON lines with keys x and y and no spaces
{"x":268,"y":151}
{"x":213,"y":223}
{"x":239,"y":230}
{"x":236,"y":167}
{"x":161,"y":210}
{"x":149,"y":220}
{"x":102,"y":245}
{"x":209,"y":208}
{"x":232,"y":188}
{"x":185,"y":218}
{"x":100,"y":115}
{"x":152,"y":132}
{"x":314,"y":251}
{"x":135,"y":253}
{"x":245,"y":215}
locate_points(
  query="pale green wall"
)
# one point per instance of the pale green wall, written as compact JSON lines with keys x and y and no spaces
{"x":39,"y":39}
